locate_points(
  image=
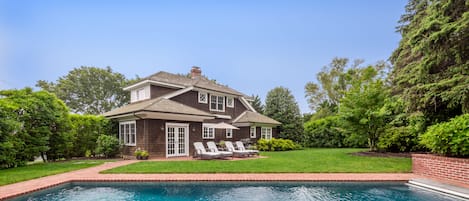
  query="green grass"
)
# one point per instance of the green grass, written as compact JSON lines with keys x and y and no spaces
{"x":301,"y":161}
{"x":13,"y":175}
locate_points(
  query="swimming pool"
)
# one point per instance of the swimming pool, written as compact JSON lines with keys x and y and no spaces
{"x":234,"y":191}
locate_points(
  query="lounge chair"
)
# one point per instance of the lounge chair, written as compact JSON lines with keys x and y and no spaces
{"x":203,"y":154}
{"x":213,"y":148}
{"x":240,"y":146}
{"x":236,"y":153}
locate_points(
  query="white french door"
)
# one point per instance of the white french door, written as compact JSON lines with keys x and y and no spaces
{"x":177,"y":139}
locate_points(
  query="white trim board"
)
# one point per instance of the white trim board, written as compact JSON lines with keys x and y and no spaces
{"x":177,"y":93}
{"x":138,"y":84}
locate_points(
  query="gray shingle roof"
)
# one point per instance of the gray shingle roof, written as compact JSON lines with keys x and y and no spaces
{"x":157,"y":105}
{"x":186,"y":82}
{"x":254,"y":117}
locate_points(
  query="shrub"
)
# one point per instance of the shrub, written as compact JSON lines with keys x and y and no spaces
{"x":449,"y":138}
{"x":108,"y":146}
{"x":398,"y":139}
{"x":276,"y":145}
{"x":85,"y":130}
{"x":324,"y":132}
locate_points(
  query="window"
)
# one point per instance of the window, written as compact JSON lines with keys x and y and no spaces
{"x":266,"y":133}
{"x":128,"y":133}
{"x":202,"y":97}
{"x":252,"y":132}
{"x":217,"y":103}
{"x":208,"y":133}
{"x":229,"y":133}
{"x":230,"y":102}
{"x":141,"y":94}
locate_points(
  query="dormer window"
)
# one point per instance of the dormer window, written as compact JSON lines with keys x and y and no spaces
{"x":139,"y":94}
{"x":230,"y":102}
{"x":217,"y":103}
{"x":202,"y":97}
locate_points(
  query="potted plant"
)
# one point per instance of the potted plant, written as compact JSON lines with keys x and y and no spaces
{"x":222,"y":145}
{"x":141,"y":154}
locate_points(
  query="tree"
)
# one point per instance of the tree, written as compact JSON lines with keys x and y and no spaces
{"x":257,"y":104}
{"x":85,"y":130}
{"x":90,"y":90}
{"x":363,"y":113}
{"x":43,"y":124}
{"x":431,"y":66}
{"x":336,"y":79}
{"x":280,"y":105}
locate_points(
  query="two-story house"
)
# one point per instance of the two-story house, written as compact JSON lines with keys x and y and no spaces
{"x":168,"y":112}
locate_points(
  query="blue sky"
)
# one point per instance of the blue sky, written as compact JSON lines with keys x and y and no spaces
{"x":250,"y":45}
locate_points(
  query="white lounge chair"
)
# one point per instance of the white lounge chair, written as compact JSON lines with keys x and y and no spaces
{"x":240,"y":146}
{"x":213,"y":148}
{"x":236,"y":153}
{"x":203,"y":154}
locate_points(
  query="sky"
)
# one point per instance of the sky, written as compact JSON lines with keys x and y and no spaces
{"x":252,"y":46}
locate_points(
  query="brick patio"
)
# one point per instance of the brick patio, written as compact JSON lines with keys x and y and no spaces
{"x":92,"y":174}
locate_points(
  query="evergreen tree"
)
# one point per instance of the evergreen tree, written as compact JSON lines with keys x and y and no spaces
{"x":431,"y":64}
{"x":257,"y":104}
{"x":281,"y":105}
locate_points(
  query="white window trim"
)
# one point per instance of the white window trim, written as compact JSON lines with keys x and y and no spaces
{"x":206,"y":97}
{"x":232,"y":102}
{"x":217,"y":109}
{"x":267,"y":136}
{"x":125,"y":136}
{"x":229,"y":131}
{"x":252,"y":134}
{"x":208,"y":126}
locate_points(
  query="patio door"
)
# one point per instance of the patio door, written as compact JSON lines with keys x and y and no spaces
{"x":177,"y":139}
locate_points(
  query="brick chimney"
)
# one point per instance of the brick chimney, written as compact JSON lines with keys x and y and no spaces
{"x":196,"y":73}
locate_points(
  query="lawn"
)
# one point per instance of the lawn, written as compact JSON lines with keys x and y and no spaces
{"x":13,"y":175}
{"x":300,"y":161}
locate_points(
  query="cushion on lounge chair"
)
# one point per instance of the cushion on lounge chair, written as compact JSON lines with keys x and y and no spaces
{"x":213,"y":148}
{"x":236,"y":153}
{"x":202,"y":152}
{"x":240,"y":146}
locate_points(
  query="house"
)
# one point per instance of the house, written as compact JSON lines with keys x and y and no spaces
{"x":168,"y":112}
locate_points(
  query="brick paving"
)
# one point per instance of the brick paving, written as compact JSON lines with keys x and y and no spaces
{"x":92,"y":175}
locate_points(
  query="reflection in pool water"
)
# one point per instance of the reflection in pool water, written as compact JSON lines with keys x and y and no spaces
{"x":234,"y":191}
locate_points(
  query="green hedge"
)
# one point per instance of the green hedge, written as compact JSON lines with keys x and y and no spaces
{"x":449,"y":138}
{"x":277,"y":145}
{"x":107,"y":146}
{"x":324,"y":132}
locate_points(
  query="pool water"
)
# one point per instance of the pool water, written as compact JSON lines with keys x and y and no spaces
{"x":234,"y":191}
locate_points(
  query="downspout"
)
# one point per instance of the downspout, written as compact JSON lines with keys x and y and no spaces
{"x":145,"y":133}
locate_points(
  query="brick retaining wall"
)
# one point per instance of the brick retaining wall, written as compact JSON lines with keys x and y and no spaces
{"x":439,"y":167}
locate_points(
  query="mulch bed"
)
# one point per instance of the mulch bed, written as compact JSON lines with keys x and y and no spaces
{"x":382,"y":154}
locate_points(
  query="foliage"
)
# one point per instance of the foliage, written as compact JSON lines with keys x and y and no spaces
{"x":281,"y":106}
{"x":277,"y":145}
{"x":90,"y":90}
{"x":449,"y":138}
{"x":335,"y":80}
{"x":108,"y":146}
{"x":8,"y":127}
{"x":403,"y":130}
{"x":325,"y":132}
{"x":141,"y":154}
{"x":363,"y":112}
{"x":85,"y":130}
{"x":431,"y":66}
{"x":299,"y":161}
{"x":43,"y":124}
{"x":257,"y":104}
{"x":37,"y":170}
